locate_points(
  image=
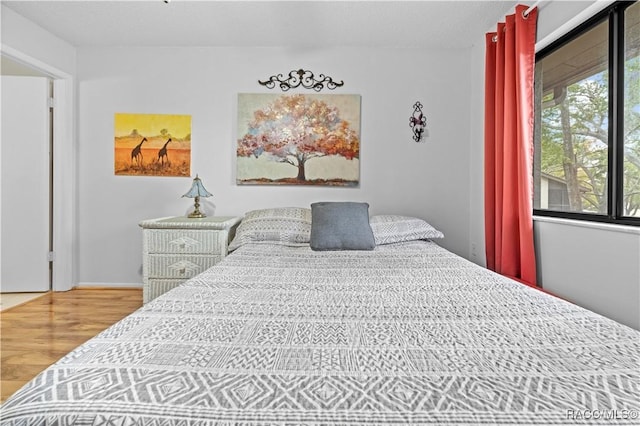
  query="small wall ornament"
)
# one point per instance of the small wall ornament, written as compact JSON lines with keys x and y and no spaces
{"x":417,"y":122}
{"x":304,"y":78}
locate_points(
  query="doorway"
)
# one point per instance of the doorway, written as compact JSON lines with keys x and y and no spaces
{"x":60,"y":227}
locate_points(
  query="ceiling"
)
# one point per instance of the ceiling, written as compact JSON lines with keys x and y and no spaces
{"x":392,"y":24}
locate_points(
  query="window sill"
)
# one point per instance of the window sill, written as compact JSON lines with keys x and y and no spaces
{"x":587,"y":224}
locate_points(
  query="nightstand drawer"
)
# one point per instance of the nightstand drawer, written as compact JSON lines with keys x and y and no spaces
{"x":185,"y":241}
{"x":179,"y":267}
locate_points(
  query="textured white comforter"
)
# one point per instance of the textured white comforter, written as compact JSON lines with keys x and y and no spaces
{"x":407,"y":333}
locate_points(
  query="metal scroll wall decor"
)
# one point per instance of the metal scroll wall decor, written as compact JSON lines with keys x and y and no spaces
{"x":304,"y":78}
{"x":417,"y":122}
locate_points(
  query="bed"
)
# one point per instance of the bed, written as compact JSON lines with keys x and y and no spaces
{"x":405,"y":333}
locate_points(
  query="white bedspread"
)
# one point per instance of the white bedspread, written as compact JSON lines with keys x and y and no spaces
{"x":407,"y":333}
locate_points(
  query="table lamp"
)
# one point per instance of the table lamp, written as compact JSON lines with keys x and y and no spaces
{"x":197,"y":190}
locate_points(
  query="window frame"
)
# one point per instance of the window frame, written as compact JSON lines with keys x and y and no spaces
{"x":614,"y":15}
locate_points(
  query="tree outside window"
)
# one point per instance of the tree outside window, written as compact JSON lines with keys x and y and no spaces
{"x":576,"y":144}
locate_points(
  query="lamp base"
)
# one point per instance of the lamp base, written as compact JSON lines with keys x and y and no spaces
{"x":196,"y":214}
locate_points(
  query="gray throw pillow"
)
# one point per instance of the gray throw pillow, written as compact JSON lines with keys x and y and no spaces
{"x":341,"y":226}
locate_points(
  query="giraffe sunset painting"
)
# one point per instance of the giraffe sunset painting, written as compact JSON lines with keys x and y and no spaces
{"x":152,"y":144}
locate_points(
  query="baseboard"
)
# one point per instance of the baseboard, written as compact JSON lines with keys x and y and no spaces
{"x":120,"y":286}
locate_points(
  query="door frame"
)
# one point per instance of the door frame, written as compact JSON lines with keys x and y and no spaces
{"x":64,"y":168}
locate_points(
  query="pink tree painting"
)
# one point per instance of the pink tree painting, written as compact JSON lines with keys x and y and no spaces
{"x":298,"y":139}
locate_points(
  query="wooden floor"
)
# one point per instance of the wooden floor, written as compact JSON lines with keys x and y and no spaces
{"x":38,"y":333}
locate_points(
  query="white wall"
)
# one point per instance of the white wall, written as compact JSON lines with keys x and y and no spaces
{"x":428,"y":180}
{"x":476,"y":249}
{"x":595,"y":267}
{"x":25,"y":37}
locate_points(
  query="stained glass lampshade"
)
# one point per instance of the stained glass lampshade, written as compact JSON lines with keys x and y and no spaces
{"x":197,"y":190}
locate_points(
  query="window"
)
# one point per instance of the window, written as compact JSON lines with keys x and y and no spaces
{"x":587,"y":131}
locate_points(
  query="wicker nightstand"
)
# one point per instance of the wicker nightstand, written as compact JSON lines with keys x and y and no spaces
{"x":175,"y":249}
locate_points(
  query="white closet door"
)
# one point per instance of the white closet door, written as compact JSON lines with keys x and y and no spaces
{"x":25,"y":184}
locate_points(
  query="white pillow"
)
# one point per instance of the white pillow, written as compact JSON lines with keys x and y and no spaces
{"x":282,"y":225}
{"x":389,"y":229}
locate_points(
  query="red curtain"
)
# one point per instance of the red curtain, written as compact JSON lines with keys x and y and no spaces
{"x":509,"y":74}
